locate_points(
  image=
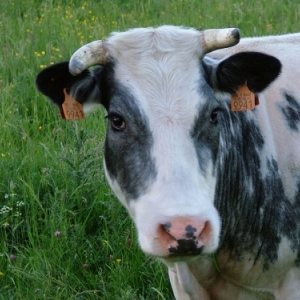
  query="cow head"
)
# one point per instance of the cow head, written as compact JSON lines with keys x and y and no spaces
{"x":165,"y":99}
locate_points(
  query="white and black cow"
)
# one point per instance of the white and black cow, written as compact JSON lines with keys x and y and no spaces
{"x":197,"y":178}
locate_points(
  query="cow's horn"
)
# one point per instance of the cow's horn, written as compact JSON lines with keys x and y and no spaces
{"x":213,"y":39}
{"x":88,"y":55}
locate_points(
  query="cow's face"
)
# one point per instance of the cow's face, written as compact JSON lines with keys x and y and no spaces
{"x":163,"y":133}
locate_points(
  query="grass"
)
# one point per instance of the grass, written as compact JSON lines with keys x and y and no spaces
{"x":63,"y":235}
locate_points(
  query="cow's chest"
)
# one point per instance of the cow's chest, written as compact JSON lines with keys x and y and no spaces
{"x":242,"y":280}
{"x":286,"y":287}
{"x":224,"y":280}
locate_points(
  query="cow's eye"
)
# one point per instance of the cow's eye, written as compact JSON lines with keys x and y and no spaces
{"x":214,"y":116}
{"x":117,"y":122}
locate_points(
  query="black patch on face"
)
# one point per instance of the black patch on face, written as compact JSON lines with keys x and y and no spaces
{"x":291,"y":111}
{"x":205,"y":134}
{"x":128,"y":153}
{"x":254,"y":220}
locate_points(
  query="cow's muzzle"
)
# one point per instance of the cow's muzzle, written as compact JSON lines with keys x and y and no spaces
{"x":184,"y":236}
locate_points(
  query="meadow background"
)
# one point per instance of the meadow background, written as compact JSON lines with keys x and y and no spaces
{"x":63,"y":235}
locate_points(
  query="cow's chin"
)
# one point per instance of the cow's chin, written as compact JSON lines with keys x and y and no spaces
{"x":174,"y":259}
{"x":170,"y":259}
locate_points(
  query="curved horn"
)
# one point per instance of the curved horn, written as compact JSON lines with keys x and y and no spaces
{"x":213,"y":39}
{"x":88,"y":55}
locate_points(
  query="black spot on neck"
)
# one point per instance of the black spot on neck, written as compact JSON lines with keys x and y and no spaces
{"x":291,"y":111}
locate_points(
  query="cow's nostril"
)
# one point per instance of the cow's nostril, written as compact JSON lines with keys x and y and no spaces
{"x":167,"y":226}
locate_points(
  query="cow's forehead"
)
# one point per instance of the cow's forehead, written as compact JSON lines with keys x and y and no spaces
{"x":163,"y":72}
{"x":138,"y":43}
{"x":160,"y":87}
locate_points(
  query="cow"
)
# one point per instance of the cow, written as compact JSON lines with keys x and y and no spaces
{"x":203,"y":150}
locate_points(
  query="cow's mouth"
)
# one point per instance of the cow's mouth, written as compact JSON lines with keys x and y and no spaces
{"x":185,"y":247}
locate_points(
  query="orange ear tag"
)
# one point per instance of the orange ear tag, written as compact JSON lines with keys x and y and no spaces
{"x":72,"y":109}
{"x":243,"y":99}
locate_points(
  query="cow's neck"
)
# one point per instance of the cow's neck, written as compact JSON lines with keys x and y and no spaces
{"x":249,"y":191}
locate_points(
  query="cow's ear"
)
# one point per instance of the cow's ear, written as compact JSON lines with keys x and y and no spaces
{"x":54,"y":79}
{"x":256,"y":69}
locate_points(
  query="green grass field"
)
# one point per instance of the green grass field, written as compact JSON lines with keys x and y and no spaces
{"x":63,"y":235}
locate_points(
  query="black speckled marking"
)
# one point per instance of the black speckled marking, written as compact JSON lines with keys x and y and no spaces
{"x":190,"y":230}
{"x":255,"y":211}
{"x":291,"y":111}
{"x":295,"y":235}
